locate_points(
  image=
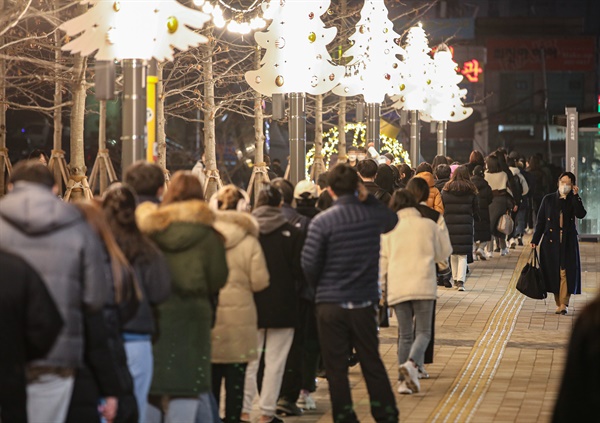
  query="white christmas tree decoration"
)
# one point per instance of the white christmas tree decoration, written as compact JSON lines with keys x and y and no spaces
{"x":374,"y":70}
{"x":134,"y":29}
{"x":444,"y":94}
{"x":296,"y":57}
{"x":417,"y":79}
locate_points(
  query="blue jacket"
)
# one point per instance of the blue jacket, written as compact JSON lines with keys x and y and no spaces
{"x":340,"y":257}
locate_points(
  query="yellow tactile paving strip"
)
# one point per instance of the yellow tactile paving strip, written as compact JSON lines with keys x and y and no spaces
{"x":470,"y":386}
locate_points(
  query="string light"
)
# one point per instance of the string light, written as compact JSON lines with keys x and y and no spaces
{"x":331,"y":140}
{"x":235,"y":25}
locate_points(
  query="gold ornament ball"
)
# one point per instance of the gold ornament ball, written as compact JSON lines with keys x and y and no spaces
{"x":385,"y":30}
{"x":279,"y":81}
{"x":402,"y":88}
{"x":402,"y":99}
{"x":395,"y":65}
{"x":362,"y":29}
{"x":172,"y":24}
{"x":116,"y":6}
{"x":464,"y":112}
{"x":257,"y":79}
{"x":452,"y":114}
{"x":429,"y":82}
{"x":312,"y":37}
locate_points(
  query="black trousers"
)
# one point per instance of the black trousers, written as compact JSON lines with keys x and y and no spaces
{"x":234,"y":375}
{"x":339,"y":330}
{"x":303,"y":358}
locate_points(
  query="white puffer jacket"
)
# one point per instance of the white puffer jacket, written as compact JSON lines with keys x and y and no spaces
{"x":408,"y":257}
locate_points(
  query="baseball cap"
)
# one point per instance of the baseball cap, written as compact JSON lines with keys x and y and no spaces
{"x":305,"y":189}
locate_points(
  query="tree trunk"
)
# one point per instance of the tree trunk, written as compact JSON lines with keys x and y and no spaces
{"x":342,"y":154}
{"x":102,"y":144}
{"x":318,"y":164}
{"x":4,"y":164}
{"x":259,"y":169}
{"x":57,"y":117}
{"x":161,"y":137}
{"x":212,"y":174}
{"x":77,"y":169}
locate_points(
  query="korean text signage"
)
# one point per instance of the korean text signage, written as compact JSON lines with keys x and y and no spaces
{"x":562,"y":54}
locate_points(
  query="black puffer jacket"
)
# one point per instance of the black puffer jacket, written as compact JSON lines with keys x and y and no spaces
{"x":485,"y":197}
{"x":460,"y":210}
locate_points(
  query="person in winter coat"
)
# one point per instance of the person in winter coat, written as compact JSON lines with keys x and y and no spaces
{"x":559,"y":248}
{"x":54,"y":239}
{"x":580,"y":388}
{"x":520,"y":217}
{"x":105,"y":375}
{"x":367,"y":169}
{"x":290,"y":213}
{"x":340,"y":260}
{"x":485,"y":197}
{"x":461,"y":210}
{"x":408,"y":271}
{"x":405,"y":174}
{"x":442,"y":175}
{"x":182,"y":228}
{"x":29,"y":325}
{"x":233,"y":337}
{"x":501,"y":204}
{"x":154,"y":278}
{"x":277,"y":305}
{"x":475,"y":159}
{"x":147,"y":180}
{"x":385,"y":178}
{"x":435,"y":198}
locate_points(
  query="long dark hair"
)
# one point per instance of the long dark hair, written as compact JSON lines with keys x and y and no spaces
{"x":120,"y":267}
{"x":119,"y":203}
{"x":461,"y":181}
{"x":493,"y":164}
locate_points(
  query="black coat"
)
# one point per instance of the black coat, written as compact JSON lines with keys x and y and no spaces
{"x":485,"y":197}
{"x":580,"y":388}
{"x":29,"y":325}
{"x":460,"y":210}
{"x":547,"y":229}
{"x":277,"y":305}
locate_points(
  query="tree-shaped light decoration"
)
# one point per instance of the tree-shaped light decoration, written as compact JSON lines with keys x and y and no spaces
{"x":445,"y":104}
{"x":374,"y":70}
{"x":296,"y":58}
{"x":414,"y":88}
{"x":133,"y":29}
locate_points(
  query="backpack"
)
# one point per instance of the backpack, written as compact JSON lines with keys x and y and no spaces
{"x":518,"y":189}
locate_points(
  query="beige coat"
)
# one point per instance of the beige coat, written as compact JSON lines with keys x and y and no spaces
{"x":234,"y":334}
{"x":435,"y":196}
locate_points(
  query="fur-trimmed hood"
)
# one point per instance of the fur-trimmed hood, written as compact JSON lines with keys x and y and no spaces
{"x":428,"y":178}
{"x":161,"y":222}
{"x":235,"y":225}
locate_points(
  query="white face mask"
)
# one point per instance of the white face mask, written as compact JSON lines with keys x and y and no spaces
{"x":565,"y":189}
{"x":361,"y":157}
{"x":352,"y":157}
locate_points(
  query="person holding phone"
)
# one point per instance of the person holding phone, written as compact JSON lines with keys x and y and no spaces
{"x":559,"y":248}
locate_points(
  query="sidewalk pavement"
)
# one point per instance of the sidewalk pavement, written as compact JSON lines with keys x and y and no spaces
{"x":499,"y":356}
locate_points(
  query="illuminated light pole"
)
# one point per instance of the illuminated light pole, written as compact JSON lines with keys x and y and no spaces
{"x":295,"y":62}
{"x":134,"y":32}
{"x":444,"y":95}
{"x":415,"y":86}
{"x":375,"y":68}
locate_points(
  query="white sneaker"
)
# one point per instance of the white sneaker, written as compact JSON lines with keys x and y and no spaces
{"x":504,"y":252}
{"x":481,"y":254}
{"x":305,"y":401}
{"x":513,"y":244}
{"x":403,"y":389}
{"x":411,"y":376}
{"x":423,"y":373}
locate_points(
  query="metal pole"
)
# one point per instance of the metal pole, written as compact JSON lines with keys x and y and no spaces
{"x":134,"y":111}
{"x":441,"y":138}
{"x":297,"y":129}
{"x":373,"y":123}
{"x":415,"y":151}
{"x":572,"y":140}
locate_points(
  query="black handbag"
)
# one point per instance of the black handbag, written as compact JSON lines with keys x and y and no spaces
{"x":531,"y":282}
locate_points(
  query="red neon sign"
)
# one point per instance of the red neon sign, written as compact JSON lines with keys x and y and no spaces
{"x":471,"y":70}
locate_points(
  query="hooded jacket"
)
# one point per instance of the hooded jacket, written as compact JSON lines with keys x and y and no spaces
{"x":281,"y":242}
{"x":196,"y":258}
{"x":234,"y":335}
{"x":435,"y":197}
{"x":53,"y":237}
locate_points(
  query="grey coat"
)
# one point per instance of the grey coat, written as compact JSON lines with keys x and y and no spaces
{"x":55,"y":240}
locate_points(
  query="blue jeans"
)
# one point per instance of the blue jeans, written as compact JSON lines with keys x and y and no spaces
{"x":140,"y":363}
{"x":520,"y":220}
{"x":413,"y":338}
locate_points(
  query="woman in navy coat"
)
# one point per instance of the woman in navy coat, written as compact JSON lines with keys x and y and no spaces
{"x":559,"y":249}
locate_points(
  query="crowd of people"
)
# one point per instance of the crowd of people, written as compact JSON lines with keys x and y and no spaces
{"x":155,"y":297}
